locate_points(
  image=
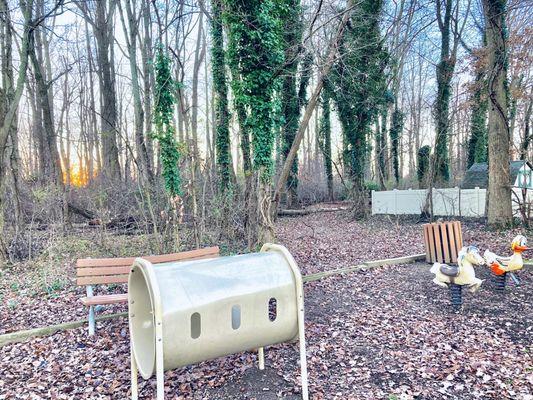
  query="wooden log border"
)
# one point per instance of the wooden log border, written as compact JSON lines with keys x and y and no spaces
{"x":20,"y":336}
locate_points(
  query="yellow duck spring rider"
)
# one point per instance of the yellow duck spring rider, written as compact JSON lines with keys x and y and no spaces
{"x":503,"y":266}
{"x":455,"y":277}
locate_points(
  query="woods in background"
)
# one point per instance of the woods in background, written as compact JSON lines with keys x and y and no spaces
{"x":195,"y":122}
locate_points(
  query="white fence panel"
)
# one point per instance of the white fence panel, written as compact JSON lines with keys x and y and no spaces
{"x":384,"y":202}
{"x":473,"y":202}
{"x":446,"y":202}
{"x":518,"y":198}
{"x":410,"y":201}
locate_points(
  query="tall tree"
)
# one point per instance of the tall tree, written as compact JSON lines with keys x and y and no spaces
{"x":100,"y":15}
{"x":477,"y":144}
{"x":50,"y":162}
{"x":358,"y":84}
{"x":220,"y":87}
{"x":499,"y":210}
{"x":524,"y":146}
{"x":255,"y":52}
{"x":293,"y":93}
{"x":164,"y":126}
{"x":11,"y":90}
{"x":165,"y":133}
{"x":9,"y":152}
{"x":9,"y":99}
{"x":451,"y":30}
{"x":323,"y":72}
{"x":131,"y":33}
{"x":381,"y":138}
{"x":395,"y":134}
{"x":324,"y":140}
{"x":422,"y":169}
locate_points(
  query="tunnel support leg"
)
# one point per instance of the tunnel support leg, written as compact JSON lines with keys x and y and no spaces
{"x":300,"y":304}
{"x":134,"y":375}
{"x":301,"y":339}
{"x":261,"y":357}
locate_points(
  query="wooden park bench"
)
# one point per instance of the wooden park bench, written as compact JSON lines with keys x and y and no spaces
{"x":105,"y":271}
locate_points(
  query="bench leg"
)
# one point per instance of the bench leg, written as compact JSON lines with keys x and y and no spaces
{"x":92,"y":322}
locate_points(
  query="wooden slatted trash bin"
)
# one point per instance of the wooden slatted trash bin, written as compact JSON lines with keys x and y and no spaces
{"x":443,"y":240}
{"x":188,"y":312}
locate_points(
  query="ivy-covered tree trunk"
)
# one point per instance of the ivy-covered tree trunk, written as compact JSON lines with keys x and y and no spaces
{"x":293,"y":92}
{"x":289,"y":94}
{"x":381,"y":143}
{"x":395,"y":133}
{"x":423,"y":157}
{"x":445,"y":69}
{"x":477,"y":144}
{"x":165,"y":133}
{"x":358,"y":84}
{"x":324,"y":141}
{"x":499,"y":210}
{"x":218,"y":65}
{"x":255,"y":51}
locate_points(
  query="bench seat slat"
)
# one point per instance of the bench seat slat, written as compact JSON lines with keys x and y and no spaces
{"x":103,"y":271}
{"x":209,"y":252}
{"x":105,"y":299}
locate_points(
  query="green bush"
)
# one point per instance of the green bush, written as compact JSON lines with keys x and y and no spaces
{"x":371,"y":185}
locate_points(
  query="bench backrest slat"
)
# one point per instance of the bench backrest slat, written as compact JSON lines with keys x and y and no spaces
{"x":102,"y":271}
{"x":95,"y":271}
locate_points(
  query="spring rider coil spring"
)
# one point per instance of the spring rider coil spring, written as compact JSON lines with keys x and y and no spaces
{"x":500,"y":281}
{"x":456,"y":294}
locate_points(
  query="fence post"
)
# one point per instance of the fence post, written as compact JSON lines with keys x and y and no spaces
{"x":432,"y":213}
{"x":478,"y":211}
{"x":459,"y":197}
{"x":395,"y":202}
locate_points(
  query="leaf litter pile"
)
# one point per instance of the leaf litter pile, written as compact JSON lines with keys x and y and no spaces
{"x":382,"y":333}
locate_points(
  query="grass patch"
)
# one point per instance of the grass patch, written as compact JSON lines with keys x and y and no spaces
{"x":55,"y":286}
{"x":15,"y":287}
{"x":12,"y":304}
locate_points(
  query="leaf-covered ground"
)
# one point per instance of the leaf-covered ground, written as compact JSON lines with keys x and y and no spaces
{"x":385,"y":333}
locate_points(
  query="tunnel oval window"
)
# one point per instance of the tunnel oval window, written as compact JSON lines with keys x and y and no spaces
{"x":236,"y":316}
{"x":196,"y":325}
{"x":272,"y":309}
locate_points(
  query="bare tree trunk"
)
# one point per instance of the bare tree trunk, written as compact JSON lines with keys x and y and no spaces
{"x":94,"y":141}
{"x":131,"y":32}
{"x":524,"y":146}
{"x":199,"y":56}
{"x":102,"y":24}
{"x":11,"y":154}
{"x":10,"y":97}
{"x":51,"y":155}
{"x":148,"y":84}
